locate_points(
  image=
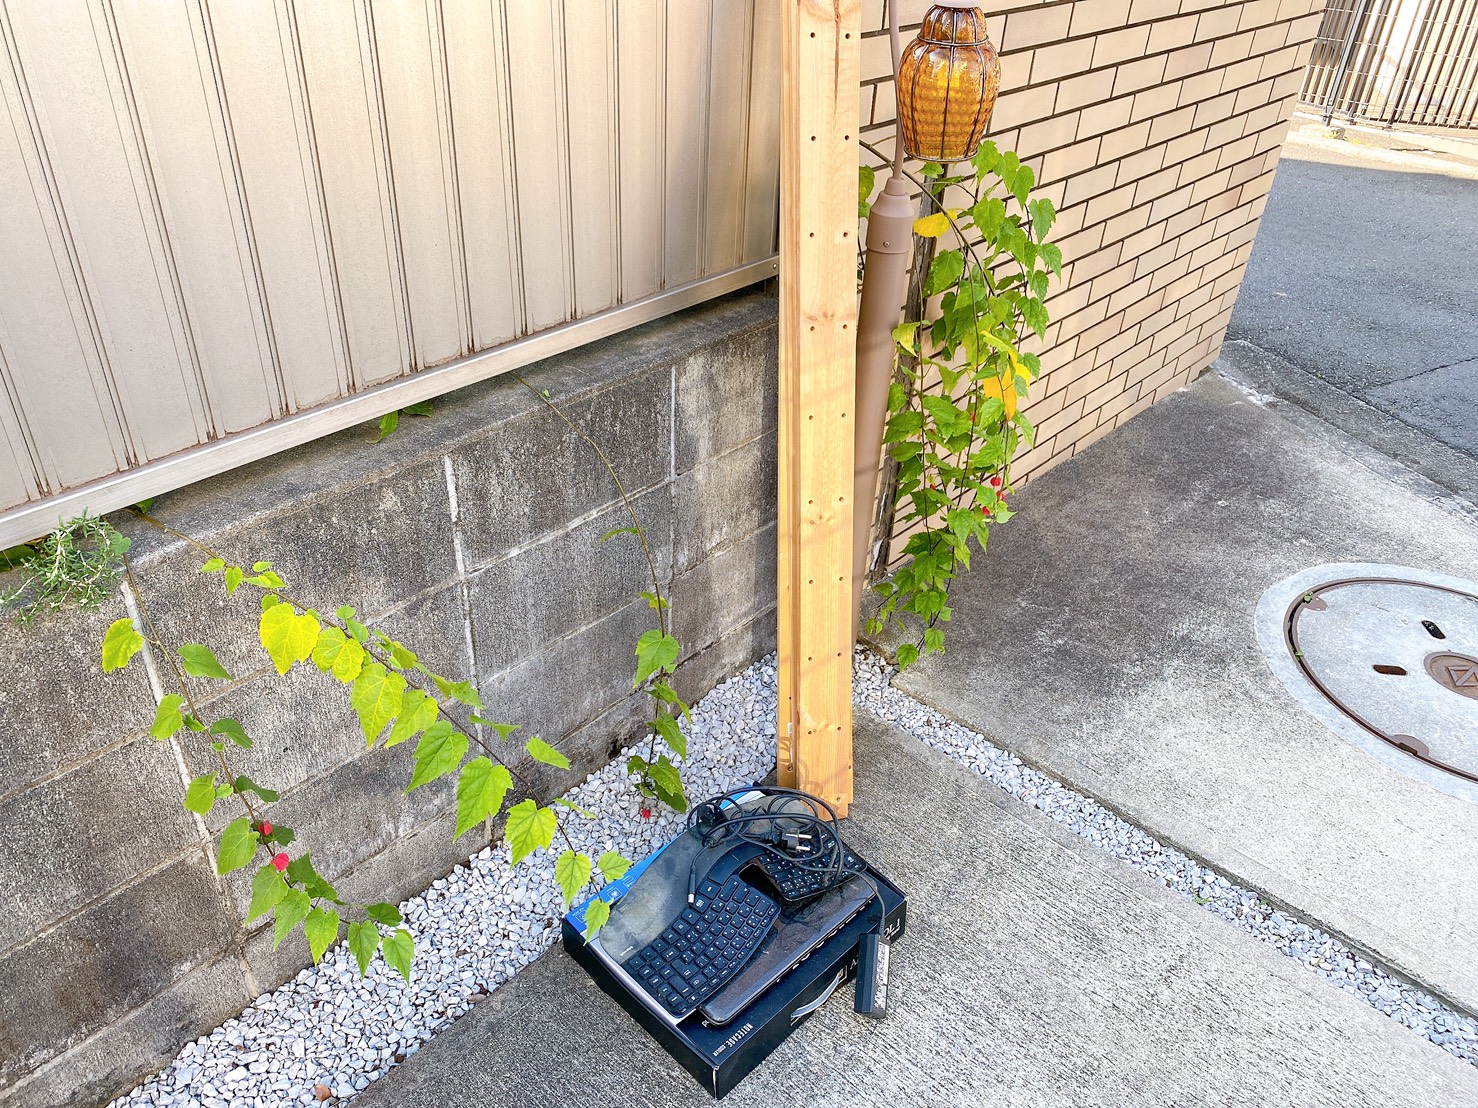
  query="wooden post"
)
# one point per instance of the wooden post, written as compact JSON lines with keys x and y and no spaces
{"x":818,"y":322}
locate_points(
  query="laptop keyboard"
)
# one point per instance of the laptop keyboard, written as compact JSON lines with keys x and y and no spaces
{"x":705,"y":946}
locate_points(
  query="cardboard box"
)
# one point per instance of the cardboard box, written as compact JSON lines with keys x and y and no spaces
{"x":720,"y":1057}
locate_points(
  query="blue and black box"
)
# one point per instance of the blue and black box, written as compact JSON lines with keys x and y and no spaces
{"x":720,"y":1057}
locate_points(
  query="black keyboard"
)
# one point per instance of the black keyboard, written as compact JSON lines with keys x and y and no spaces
{"x":799,"y":881}
{"x":705,"y":946}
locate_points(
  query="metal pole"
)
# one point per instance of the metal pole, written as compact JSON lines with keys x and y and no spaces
{"x":884,"y":288}
{"x":1344,"y":62}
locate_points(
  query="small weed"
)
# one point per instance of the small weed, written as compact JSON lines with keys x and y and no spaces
{"x":75,"y":565}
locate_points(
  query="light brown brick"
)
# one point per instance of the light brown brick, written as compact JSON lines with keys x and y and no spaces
{"x":1258,"y":12}
{"x":1189,"y":60}
{"x":1168,"y":34}
{"x":1113,"y":47}
{"x":1218,"y":22}
{"x":1090,"y":88}
{"x":1132,"y":76}
{"x":1061,"y":165}
{"x":1092,"y":16}
{"x":1107,"y":116}
{"x":1089,"y":184}
{"x":1119,"y":144}
{"x":1049,"y":134}
{"x":1035,"y":26}
{"x":1049,"y":63}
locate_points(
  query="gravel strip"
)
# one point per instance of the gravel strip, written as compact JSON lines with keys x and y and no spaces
{"x":474,"y":929}
{"x":1242,"y":908}
{"x":484,"y":921}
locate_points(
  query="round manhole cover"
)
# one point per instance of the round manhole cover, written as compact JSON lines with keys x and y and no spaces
{"x":1388,"y":657}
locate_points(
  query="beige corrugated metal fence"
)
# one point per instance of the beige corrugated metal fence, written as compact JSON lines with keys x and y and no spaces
{"x":228,"y":226}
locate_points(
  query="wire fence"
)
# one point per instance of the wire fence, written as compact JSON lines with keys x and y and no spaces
{"x":1413,"y":62}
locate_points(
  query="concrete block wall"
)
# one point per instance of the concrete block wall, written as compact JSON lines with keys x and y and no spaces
{"x":474,"y":537}
{"x":1155,"y":127}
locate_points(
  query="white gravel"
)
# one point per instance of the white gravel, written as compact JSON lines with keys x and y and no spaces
{"x":474,"y":929}
{"x":483,"y":922}
{"x":1242,"y":908}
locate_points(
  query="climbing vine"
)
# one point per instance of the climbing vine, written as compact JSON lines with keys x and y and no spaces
{"x":397,"y":697}
{"x":955,"y":419}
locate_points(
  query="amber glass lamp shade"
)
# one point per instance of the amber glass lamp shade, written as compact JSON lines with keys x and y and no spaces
{"x":947,"y":82}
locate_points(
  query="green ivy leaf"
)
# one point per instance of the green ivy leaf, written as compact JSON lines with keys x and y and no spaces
{"x":459,"y":690}
{"x":654,"y":651}
{"x":167,"y":719}
{"x":120,"y":643}
{"x":613,"y":867}
{"x":399,"y":949}
{"x":614,"y":531}
{"x":234,"y":576}
{"x":480,"y":792}
{"x":200,"y":797}
{"x":364,"y":940}
{"x":287,"y":636}
{"x":233,"y":731}
{"x":238,"y":846}
{"x":1051,"y":253}
{"x":422,"y":409}
{"x":908,"y":654}
{"x":321,"y":928}
{"x":200,"y":661}
{"x":529,"y":828}
{"x":291,"y":911}
{"x":671,"y":734}
{"x":417,"y":712}
{"x":388,"y":423}
{"x":572,"y":806}
{"x":540,"y":751}
{"x":597,"y":912}
{"x":247,"y":785}
{"x":947,"y":268}
{"x":267,"y":890}
{"x":213,"y":565}
{"x":655,"y":602}
{"x":669,"y":784}
{"x":402,"y":655}
{"x":439,"y":752}
{"x":572,"y":871}
{"x":388,"y":914}
{"x":665,"y":693}
{"x":300,"y":871}
{"x":377,"y":696}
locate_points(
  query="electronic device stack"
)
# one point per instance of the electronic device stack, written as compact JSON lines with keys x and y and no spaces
{"x":725,"y":940}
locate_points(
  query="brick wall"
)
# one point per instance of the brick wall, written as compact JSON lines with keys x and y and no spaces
{"x":1155,"y":127}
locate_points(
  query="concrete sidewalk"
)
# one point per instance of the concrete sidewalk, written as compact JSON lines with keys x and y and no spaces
{"x":1109,"y":638}
{"x":1035,"y":971}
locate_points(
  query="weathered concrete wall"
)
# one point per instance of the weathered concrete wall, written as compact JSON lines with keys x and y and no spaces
{"x":474,"y":537}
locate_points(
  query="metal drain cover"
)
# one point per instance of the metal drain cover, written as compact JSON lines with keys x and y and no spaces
{"x":1388,"y":657}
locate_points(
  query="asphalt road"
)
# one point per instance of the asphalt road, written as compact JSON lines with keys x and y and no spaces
{"x":1365,"y":276}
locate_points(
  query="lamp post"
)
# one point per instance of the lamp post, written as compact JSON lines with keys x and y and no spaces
{"x":946,"y":83}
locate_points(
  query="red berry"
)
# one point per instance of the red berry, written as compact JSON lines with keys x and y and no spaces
{"x":646,"y":813}
{"x":995,"y":481}
{"x":265,"y":827}
{"x":279,"y":862}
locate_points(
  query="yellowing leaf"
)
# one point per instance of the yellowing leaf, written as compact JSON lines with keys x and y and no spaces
{"x":120,"y":644}
{"x":1004,"y":391}
{"x":376,"y":695}
{"x":417,"y":712}
{"x":931,"y":226}
{"x":287,"y":636}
